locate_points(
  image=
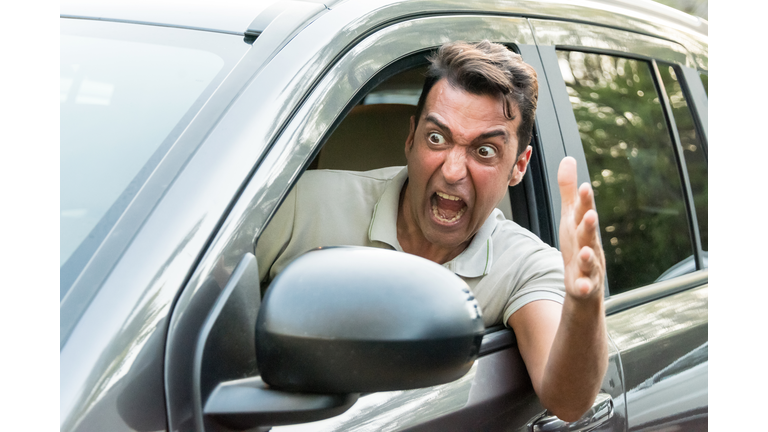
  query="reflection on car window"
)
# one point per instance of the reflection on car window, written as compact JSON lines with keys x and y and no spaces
{"x":693,"y":149}
{"x":127,"y":91}
{"x":705,"y":81}
{"x":632,"y":166}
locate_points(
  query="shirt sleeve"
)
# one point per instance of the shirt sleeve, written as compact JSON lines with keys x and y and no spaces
{"x":539,"y":275}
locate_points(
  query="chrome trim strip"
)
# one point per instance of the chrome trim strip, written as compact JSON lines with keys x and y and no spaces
{"x":638,"y":296}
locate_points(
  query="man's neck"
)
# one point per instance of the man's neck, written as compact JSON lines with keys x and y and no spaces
{"x":412,"y":239}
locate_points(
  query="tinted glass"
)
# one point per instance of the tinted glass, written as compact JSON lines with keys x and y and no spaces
{"x":127,"y":92}
{"x":632,"y":167}
{"x":705,"y":80}
{"x":693,"y":149}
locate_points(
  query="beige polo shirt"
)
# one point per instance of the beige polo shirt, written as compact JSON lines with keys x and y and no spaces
{"x":505,"y":265}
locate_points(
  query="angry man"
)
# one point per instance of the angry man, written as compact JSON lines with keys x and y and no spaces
{"x":468,"y":142}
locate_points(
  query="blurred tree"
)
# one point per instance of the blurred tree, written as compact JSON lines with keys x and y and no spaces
{"x":694,"y":7}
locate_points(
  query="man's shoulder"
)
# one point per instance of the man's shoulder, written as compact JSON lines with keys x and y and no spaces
{"x":324,"y":178}
{"x":350,"y":188}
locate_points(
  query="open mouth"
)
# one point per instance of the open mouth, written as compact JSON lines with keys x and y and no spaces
{"x":447,"y":208}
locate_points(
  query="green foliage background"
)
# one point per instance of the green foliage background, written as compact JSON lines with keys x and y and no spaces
{"x":697,"y":8}
{"x":632,"y":163}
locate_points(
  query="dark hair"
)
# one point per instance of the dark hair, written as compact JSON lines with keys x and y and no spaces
{"x":487,"y":68}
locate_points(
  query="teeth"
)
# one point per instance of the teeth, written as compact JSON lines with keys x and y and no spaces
{"x":453,"y":219}
{"x":448,"y":197}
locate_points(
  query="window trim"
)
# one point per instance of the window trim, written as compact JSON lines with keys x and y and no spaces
{"x":646,"y":294}
{"x":682,"y":167}
{"x":697,"y":99}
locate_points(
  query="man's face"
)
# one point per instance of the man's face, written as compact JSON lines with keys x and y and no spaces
{"x":461,"y":158}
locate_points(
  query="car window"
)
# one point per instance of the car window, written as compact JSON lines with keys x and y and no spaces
{"x":632,"y":166}
{"x":705,"y":80}
{"x":127,"y":92}
{"x":403,"y":88}
{"x":693,"y":148}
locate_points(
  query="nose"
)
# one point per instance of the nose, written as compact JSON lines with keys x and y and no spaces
{"x":454,"y":167}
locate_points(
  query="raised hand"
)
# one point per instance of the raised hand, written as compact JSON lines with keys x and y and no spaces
{"x":565,"y":347}
{"x":583,"y":255}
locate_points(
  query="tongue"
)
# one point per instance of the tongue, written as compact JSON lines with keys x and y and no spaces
{"x":448,"y":209}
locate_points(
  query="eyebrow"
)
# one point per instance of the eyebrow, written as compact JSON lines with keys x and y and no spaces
{"x":493,"y":134}
{"x":481,"y":137}
{"x":446,"y":129}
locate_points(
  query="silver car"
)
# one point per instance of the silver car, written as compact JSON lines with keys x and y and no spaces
{"x":185,"y":125}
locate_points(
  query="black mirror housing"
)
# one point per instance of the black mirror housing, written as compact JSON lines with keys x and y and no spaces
{"x":359,"y":320}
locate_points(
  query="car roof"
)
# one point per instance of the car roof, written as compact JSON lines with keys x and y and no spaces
{"x":235,"y":16}
{"x":227,"y":16}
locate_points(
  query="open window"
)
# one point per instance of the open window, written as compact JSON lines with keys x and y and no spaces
{"x":372,"y":134}
{"x":214,"y":313}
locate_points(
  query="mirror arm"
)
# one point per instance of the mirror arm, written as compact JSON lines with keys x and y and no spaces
{"x":249,"y":402}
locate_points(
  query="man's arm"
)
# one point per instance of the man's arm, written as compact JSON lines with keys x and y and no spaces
{"x":565,"y":347}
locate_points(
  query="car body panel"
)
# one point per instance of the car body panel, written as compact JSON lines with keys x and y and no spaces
{"x":496,"y":394}
{"x":122,"y":358}
{"x":663,"y":345}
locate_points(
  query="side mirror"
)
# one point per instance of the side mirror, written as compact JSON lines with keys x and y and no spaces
{"x":359,"y":320}
{"x":346,"y":320}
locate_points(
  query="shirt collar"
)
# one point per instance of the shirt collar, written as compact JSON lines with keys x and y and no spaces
{"x":475,"y":261}
{"x":383,"y":226}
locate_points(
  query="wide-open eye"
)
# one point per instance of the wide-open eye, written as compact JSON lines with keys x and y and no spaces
{"x":436,"y":138}
{"x":486,"y":151}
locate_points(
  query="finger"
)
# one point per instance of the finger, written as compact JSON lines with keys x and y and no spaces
{"x":587,"y":262}
{"x":586,"y":231}
{"x":566,"y":180}
{"x":585,"y":201}
{"x":583,"y":287}
{"x":591,"y":273}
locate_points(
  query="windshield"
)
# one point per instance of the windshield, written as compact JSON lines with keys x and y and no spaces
{"x":127,"y":93}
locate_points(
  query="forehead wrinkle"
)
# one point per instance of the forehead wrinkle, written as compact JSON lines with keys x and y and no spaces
{"x":431,"y":118}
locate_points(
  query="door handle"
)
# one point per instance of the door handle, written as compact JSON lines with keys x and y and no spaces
{"x":598,"y":415}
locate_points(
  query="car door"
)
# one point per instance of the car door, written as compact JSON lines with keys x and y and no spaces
{"x":633,"y":112}
{"x":348,"y":59}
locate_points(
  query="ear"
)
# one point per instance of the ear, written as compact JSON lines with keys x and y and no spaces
{"x":411,"y":135}
{"x":521,"y":165}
